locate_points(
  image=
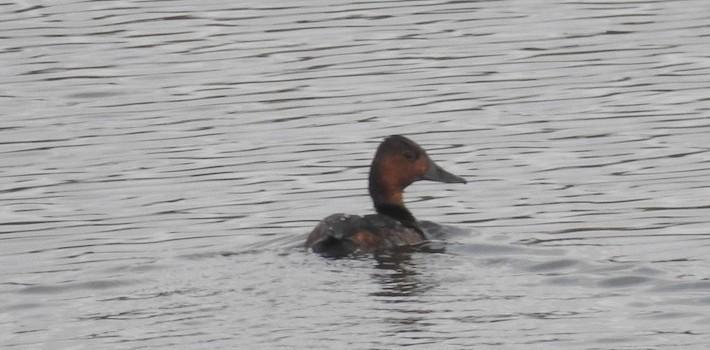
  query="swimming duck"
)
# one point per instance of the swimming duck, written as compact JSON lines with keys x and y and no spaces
{"x":398,"y":163}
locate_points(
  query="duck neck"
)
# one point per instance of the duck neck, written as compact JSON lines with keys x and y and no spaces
{"x":389,"y":202}
{"x":399,"y":213}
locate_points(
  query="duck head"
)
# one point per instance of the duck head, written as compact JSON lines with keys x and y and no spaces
{"x":398,"y":163}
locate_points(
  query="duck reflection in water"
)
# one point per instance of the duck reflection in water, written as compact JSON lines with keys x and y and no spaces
{"x":398,"y":276}
{"x":403,"y":289}
{"x":398,"y":163}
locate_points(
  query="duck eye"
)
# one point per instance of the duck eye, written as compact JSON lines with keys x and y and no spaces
{"x":410,"y":155}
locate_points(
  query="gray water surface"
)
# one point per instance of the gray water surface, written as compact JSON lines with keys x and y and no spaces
{"x":162,"y":161}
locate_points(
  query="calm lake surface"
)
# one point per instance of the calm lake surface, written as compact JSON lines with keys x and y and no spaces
{"x":162,"y":161}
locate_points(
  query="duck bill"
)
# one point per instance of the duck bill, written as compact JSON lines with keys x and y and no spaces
{"x":436,"y":173}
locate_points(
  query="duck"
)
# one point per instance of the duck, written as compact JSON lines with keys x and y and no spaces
{"x":398,"y":162}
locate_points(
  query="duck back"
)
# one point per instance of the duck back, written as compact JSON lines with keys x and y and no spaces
{"x":342,"y":234}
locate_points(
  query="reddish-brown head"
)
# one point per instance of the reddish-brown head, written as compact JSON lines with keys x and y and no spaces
{"x":398,"y":162}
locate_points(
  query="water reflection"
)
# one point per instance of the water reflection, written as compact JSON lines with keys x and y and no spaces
{"x":403,"y":285}
{"x":398,"y":276}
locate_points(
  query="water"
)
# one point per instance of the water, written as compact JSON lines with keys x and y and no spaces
{"x":163,"y":161}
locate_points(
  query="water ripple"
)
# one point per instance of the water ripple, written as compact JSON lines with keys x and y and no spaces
{"x":161,"y":163}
